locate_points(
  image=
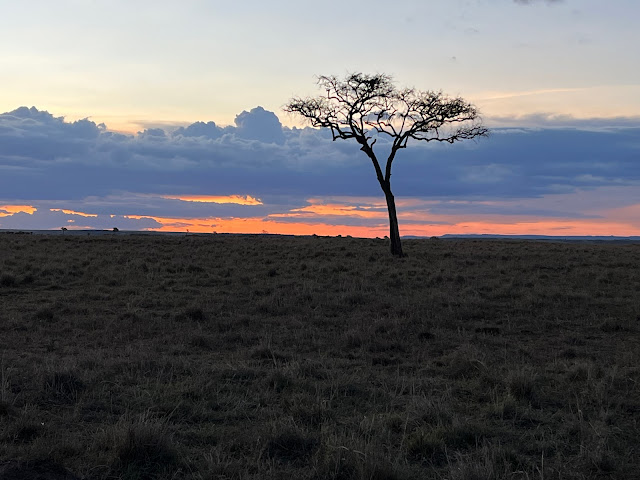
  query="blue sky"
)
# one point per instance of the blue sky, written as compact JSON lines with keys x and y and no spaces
{"x":143,"y":107}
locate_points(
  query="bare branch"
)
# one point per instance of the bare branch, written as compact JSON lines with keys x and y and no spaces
{"x":361,"y":103}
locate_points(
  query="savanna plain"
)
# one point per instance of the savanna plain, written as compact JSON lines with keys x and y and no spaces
{"x":248,"y":357}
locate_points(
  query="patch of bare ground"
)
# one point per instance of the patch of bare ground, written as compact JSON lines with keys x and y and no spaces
{"x":131,"y":356}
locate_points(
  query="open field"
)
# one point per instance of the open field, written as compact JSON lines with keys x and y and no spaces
{"x":241,"y":357}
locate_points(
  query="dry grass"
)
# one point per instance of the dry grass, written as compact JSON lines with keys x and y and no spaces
{"x":320,"y":358}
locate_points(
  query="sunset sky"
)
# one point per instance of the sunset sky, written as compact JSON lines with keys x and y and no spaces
{"x":168,"y":116}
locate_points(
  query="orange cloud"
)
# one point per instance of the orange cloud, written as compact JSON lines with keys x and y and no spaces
{"x":73,"y":212}
{"x":332,"y":209}
{"x":366,"y":202}
{"x":237,"y":199}
{"x":7,"y":210}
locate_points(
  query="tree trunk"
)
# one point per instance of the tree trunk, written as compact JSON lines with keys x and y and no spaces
{"x":394,"y":233}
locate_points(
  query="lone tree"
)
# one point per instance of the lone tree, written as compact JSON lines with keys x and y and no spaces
{"x":364,"y":106}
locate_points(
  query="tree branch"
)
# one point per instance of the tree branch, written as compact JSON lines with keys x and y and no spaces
{"x":361,"y":103}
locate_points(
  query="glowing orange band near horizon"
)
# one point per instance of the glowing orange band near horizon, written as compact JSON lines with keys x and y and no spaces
{"x":455,"y":226}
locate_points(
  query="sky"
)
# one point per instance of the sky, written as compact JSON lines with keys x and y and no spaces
{"x":169,"y":116}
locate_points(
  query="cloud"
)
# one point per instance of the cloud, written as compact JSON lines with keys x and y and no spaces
{"x":237,"y":199}
{"x":152,"y":134}
{"x":47,"y":219}
{"x":261,"y":125}
{"x":48,"y":158}
{"x":200,"y":129}
{"x":258,"y":169}
{"x":29,"y":134}
{"x":551,"y":120}
{"x":7,"y":210}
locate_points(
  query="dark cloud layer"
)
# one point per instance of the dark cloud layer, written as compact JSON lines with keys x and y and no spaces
{"x":46,"y":158}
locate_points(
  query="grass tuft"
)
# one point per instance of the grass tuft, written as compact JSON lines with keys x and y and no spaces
{"x":35,"y":470}
{"x":522,"y":385}
{"x":62,"y":387}
{"x":290,"y":447}
{"x":143,"y":449}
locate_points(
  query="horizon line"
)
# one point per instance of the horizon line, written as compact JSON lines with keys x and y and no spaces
{"x":445,"y":236}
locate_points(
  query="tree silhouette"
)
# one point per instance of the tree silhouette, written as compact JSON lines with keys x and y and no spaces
{"x":364,"y":107}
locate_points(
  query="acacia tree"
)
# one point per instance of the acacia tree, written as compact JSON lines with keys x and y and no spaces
{"x":364,"y":107}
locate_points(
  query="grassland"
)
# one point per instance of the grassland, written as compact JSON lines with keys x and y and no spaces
{"x":247,"y":357}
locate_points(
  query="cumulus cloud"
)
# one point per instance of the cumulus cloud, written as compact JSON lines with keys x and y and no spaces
{"x":152,"y":133}
{"x":47,"y":157}
{"x":261,"y":125}
{"x":200,"y":129}
{"x":32,"y":135}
